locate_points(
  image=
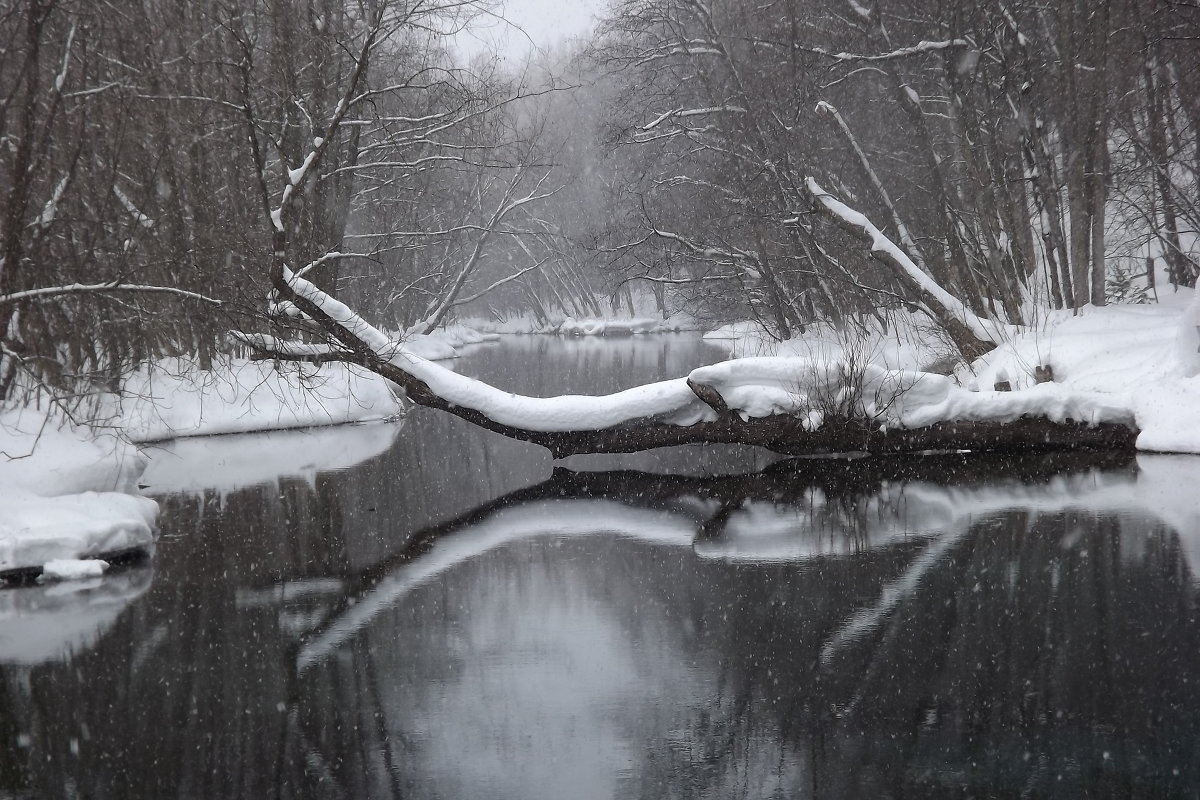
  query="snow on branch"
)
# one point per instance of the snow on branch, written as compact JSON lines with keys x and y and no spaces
{"x":828,"y":110}
{"x":679,"y":113}
{"x":48,"y":292}
{"x":60,"y":80}
{"x":920,"y":48}
{"x":295,"y":178}
{"x":333,"y":255}
{"x":688,"y":47}
{"x":349,"y":328}
{"x":134,"y":211}
{"x":50,"y":210}
{"x":882,"y":246}
{"x":266,"y":346}
{"x":741,"y":260}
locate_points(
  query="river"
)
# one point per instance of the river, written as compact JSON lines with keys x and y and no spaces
{"x":427,"y":610}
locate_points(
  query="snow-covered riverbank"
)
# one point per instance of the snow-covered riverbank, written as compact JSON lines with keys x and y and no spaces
{"x":1136,"y":364}
{"x":239,"y":396}
{"x":67,"y":495}
{"x":70,"y":492}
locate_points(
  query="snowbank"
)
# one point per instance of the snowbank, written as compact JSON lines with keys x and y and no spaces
{"x":1142,"y":358}
{"x":619,"y":326}
{"x":902,"y":340}
{"x":46,"y":455}
{"x":750,"y":335}
{"x":35,"y":530}
{"x":1130,"y":364}
{"x":1168,"y":416}
{"x":173,"y":400}
{"x":445,"y":343}
{"x":63,"y":493}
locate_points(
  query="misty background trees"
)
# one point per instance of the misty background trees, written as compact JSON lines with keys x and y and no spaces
{"x":695,"y":155}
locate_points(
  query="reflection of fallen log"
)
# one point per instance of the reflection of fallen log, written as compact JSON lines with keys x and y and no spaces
{"x":830,"y":507}
{"x":784,"y":482}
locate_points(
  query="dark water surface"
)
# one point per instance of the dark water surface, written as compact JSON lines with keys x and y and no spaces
{"x":426,"y":610}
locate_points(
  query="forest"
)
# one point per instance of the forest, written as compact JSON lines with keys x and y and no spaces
{"x":735,"y":160}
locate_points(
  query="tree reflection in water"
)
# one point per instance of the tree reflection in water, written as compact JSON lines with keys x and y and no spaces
{"x":950,"y":625}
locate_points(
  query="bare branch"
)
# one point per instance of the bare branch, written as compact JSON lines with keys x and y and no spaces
{"x":99,"y":288}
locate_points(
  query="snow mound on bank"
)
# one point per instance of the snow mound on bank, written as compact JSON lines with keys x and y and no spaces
{"x":900,"y":340}
{"x":56,"y":485}
{"x":47,"y":455}
{"x":240,"y":395}
{"x":445,"y":343}
{"x":758,"y":387}
{"x":36,"y":530}
{"x":1144,"y":358}
{"x":1168,"y":416}
{"x":1130,"y":364}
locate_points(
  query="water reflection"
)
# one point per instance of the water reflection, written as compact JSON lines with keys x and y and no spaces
{"x":451,"y":616}
{"x":52,"y":622}
{"x":961,"y":632}
{"x":230,"y":462}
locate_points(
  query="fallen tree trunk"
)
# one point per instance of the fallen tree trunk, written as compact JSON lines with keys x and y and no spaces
{"x":355,"y":341}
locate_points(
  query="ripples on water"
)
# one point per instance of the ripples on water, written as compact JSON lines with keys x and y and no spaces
{"x":428,"y":610}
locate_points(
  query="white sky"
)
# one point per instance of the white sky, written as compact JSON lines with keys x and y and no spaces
{"x":544,"y":23}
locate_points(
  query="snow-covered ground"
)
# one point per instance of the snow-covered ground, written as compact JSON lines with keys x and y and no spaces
{"x":1145,"y":357}
{"x":174,"y":399}
{"x":1138,"y":364}
{"x":445,"y":342}
{"x":67,"y":494}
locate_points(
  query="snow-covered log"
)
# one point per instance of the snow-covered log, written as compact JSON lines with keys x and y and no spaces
{"x":794,"y":406}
